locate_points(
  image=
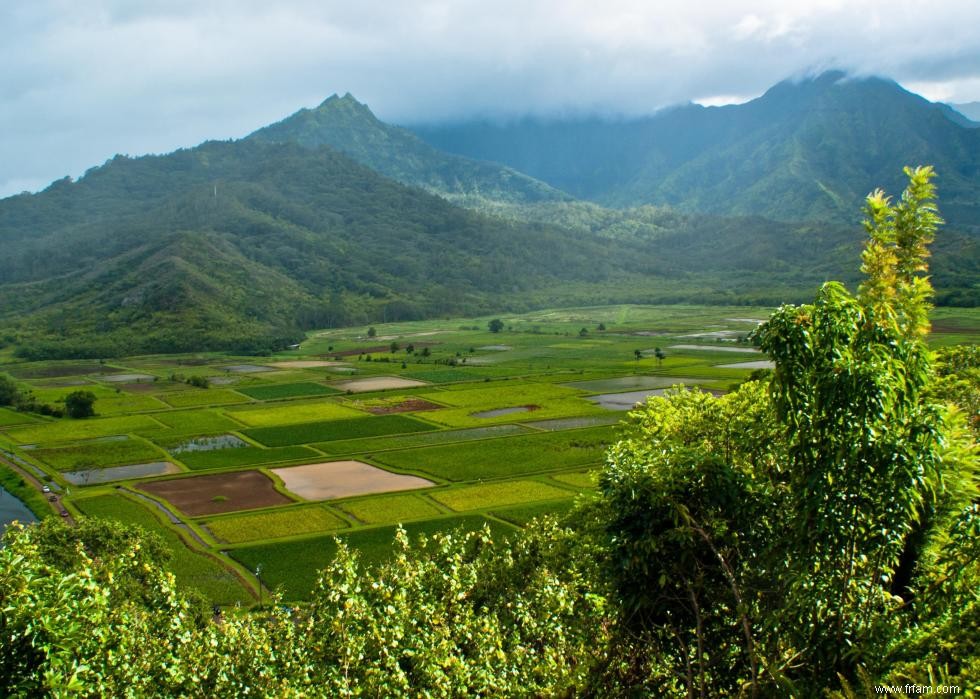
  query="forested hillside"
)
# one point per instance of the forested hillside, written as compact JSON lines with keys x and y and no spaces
{"x":243,"y":244}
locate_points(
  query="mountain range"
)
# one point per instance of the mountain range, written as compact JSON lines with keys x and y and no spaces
{"x":804,"y":150}
{"x":334,"y":217}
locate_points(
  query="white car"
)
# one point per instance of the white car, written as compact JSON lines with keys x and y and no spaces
{"x":45,"y":489}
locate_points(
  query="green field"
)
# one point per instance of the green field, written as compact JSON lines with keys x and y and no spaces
{"x":356,"y":446}
{"x":244,"y":456}
{"x":522,"y":515}
{"x":336,"y":429}
{"x":509,"y":456}
{"x":287,"y":390}
{"x":581,"y":479}
{"x":293,"y":567}
{"x":99,"y":454}
{"x":390,"y":509}
{"x":109,"y":400}
{"x":191,"y":422}
{"x":293,"y":521}
{"x":12,"y":417}
{"x":201,"y":397}
{"x":478,"y":497}
{"x":73,"y":430}
{"x":510,"y":467}
{"x":195,"y":570}
{"x":293,"y":413}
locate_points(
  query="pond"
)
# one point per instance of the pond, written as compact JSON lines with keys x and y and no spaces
{"x":96,"y":476}
{"x":13,"y":509}
{"x":624,"y":401}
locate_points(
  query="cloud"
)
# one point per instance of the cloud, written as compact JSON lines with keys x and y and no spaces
{"x":83,"y":81}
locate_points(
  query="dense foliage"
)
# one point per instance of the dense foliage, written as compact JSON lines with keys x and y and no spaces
{"x":814,"y":531}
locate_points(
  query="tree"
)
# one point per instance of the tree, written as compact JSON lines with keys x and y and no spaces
{"x":80,"y":404}
{"x":583,"y":332}
{"x":637,"y":354}
{"x":785,"y":536}
{"x":601,"y":327}
{"x":496,"y":325}
{"x":659,"y":354}
{"x":371,"y":332}
{"x":9,"y":393}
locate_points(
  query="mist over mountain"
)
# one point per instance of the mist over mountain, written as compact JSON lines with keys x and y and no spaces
{"x":971,"y":110}
{"x":805,"y":150}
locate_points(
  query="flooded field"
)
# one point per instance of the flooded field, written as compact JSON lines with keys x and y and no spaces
{"x":97,"y":476}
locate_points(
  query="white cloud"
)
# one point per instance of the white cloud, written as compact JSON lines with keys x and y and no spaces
{"x":83,"y":81}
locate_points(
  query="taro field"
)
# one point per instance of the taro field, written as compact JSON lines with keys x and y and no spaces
{"x":433,"y":425}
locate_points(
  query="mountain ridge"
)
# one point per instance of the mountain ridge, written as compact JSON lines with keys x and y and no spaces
{"x":819,"y":145}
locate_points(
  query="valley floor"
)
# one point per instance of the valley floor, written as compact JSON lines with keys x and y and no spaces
{"x":431,"y":425}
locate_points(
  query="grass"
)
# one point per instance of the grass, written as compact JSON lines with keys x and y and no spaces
{"x":191,"y":422}
{"x":12,"y":417}
{"x":294,"y":414}
{"x":209,"y":396}
{"x":66,"y":429}
{"x":509,"y":456}
{"x":390,"y":509}
{"x":287,"y":390}
{"x":275,"y":524}
{"x":356,"y":446}
{"x":192,"y":569}
{"x":244,"y":456}
{"x":294,"y":566}
{"x":99,"y":454}
{"x":108,"y":400}
{"x":478,"y":497}
{"x":336,"y":429}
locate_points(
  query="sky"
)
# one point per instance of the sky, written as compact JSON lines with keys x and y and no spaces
{"x":83,"y":81}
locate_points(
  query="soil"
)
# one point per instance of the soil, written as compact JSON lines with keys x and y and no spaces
{"x":128,"y":378}
{"x":144,"y":387}
{"x":305,"y":364}
{"x":376,"y":383}
{"x":341,"y":479}
{"x":45,"y":372}
{"x":195,"y":496}
{"x":406,"y":406}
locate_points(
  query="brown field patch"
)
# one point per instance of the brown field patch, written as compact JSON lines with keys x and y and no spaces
{"x":305,"y":364}
{"x":341,"y":479}
{"x":406,"y":406}
{"x":145,"y":387}
{"x":377,"y":383}
{"x":222,"y":492}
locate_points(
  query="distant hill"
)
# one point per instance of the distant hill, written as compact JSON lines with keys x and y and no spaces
{"x":805,"y":150}
{"x":239,"y":244}
{"x":971,"y":110}
{"x":350,"y":127}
